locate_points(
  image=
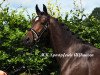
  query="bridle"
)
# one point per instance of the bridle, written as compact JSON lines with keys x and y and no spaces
{"x":36,"y":35}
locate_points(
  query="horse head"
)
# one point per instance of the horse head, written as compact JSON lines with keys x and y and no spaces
{"x":39,"y":26}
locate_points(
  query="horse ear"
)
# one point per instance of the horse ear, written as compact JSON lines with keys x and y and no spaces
{"x":37,"y":10}
{"x":45,"y":9}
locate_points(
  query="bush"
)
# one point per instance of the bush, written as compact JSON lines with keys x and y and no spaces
{"x":14,"y":57}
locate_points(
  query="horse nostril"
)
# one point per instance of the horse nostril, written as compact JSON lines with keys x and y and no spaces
{"x":27,"y":39}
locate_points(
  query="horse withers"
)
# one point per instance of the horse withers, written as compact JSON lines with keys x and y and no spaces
{"x":63,"y":41}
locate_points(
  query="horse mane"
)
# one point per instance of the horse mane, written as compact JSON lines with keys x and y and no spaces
{"x":66,"y":28}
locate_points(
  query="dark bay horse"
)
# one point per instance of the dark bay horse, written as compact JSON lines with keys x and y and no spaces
{"x":64,"y":42}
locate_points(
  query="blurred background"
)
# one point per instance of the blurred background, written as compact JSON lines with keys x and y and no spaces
{"x":81,"y":16}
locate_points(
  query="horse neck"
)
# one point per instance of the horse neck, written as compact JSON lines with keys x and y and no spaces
{"x":57,"y":38}
{"x":61,"y":37}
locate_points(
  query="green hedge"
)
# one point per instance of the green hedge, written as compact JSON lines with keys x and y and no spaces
{"x":14,"y":55}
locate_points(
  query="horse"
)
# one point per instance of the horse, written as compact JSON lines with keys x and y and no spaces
{"x":2,"y":72}
{"x":80,"y":58}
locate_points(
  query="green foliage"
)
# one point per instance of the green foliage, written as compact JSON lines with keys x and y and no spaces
{"x":13,"y":26}
{"x":89,"y":28}
{"x":95,"y":13}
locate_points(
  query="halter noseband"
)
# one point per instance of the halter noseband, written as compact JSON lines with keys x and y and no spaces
{"x":37,"y":36}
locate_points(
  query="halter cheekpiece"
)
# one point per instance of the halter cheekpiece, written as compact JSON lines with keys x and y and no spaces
{"x":36,"y":35}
